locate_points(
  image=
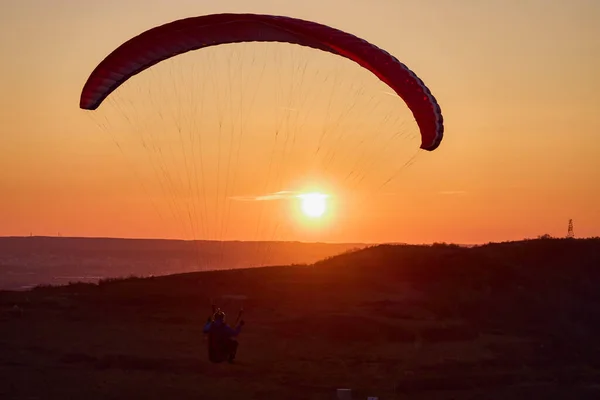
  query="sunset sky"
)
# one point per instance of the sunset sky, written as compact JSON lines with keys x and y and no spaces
{"x":517,"y":82}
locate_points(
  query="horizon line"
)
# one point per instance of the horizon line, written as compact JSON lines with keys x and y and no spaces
{"x":355,"y":243}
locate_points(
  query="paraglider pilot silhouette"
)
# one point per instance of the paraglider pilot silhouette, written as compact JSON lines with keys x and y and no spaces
{"x":191,"y":34}
{"x":221,"y":337}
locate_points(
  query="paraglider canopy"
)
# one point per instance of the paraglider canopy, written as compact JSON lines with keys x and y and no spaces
{"x":169,"y":40}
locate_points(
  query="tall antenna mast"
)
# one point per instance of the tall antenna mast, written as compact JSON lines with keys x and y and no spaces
{"x":570,"y":232}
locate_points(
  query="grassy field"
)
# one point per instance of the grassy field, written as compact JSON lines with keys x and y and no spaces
{"x":516,"y":320}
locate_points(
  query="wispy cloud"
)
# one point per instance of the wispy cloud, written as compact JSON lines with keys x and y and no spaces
{"x":452,"y":192}
{"x":284,"y":194}
{"x":281,"y":195}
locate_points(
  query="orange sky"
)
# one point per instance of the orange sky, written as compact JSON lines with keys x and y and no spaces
{"x":517,"y":82}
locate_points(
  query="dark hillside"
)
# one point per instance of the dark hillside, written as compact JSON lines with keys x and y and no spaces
{"x":515,"y":320}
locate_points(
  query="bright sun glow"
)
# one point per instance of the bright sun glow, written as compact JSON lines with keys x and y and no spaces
{"x":313,"y":205}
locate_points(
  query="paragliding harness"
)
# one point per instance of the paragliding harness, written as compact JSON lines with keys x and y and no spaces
{"x":221,"y":347}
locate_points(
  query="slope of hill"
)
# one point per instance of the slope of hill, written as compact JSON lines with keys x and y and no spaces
{"x":515,"y":320}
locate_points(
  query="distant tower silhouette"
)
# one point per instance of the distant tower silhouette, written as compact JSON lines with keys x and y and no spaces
{"x":570,"y":232}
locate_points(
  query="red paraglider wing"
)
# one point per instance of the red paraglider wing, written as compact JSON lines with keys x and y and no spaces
{"x":189,"y":34}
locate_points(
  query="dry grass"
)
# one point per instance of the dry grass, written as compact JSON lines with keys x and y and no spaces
{"x":495,"y":322}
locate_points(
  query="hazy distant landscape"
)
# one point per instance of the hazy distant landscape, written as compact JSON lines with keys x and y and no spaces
{"x":29,"y":261}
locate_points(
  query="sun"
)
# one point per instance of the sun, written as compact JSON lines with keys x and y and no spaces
{"x":313,"y":205}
